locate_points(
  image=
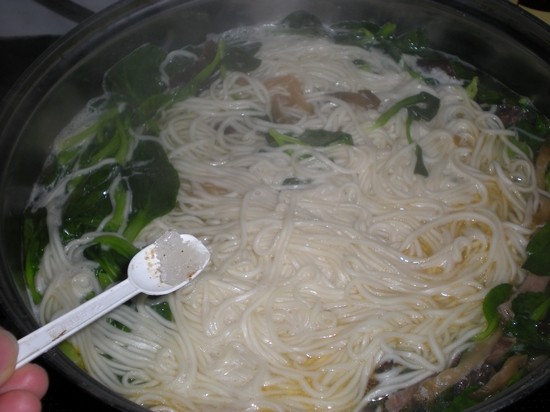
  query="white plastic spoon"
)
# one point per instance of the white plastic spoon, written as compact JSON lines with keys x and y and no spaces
{"x":162,"y":267}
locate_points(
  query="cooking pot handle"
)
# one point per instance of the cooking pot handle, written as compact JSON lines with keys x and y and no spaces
{"x":68,"y":9}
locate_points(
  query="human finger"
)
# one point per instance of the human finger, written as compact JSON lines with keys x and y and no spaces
{"x":8,"y":355}
{"x":31,"y":378}
{"x":20,"y":401}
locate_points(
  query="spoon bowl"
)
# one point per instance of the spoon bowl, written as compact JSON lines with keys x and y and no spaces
{"x":169,"y":263}
{"x":166,"y":265}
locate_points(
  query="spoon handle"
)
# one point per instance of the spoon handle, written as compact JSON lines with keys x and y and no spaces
{"x":49,"y":335}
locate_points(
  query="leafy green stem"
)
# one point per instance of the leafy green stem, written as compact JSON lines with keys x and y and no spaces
{"x":420,"y":106}
{"x":496,"y":296}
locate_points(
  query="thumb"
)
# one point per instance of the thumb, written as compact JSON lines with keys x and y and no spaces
{"x":8,"y":355}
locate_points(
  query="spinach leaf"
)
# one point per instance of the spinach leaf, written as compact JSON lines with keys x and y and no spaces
{"x":533,"y":305}
{"x":277,"y":139}
{"x":162,"y":307}
{"x":136,"y":76}
{"x":241,"y":57}
{"x":538,"y":256}
{"x":471,"y":88}
{"x":356,"y":33}
{"x":532,"y":127}
{"x":193,"y":86}
{"x":532,"y":336}
{"x":154,"y":184}
{"x":367,"y":34}
{"x":111,"y":265}
{"x":146,"y":111}
{"x":294,"y":181}
{"x":531,"y":323}
{"x":496,"y":296}
{"x":450,"y":401}
{"x":35,"y":240}
{"x":88,"y":202}
{"x":319,"y":137}
{"x":119,"y":325}
{"x":117,"y":243}
{"x":412,"y":42}
{"x":419,"y":106}
{"x":420,"y":167}
{"x":310,"y":137}
{"x":178,"y":65}
{"x":303,"y":22}
{"x":113,"y":254}
{"x":70,"y":351}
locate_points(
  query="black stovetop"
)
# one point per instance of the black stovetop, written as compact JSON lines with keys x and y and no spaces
{"x":64,"y":396}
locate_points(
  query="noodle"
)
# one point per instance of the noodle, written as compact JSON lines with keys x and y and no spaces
{"x":313,"y":286}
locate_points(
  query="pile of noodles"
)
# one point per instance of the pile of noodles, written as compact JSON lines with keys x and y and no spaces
{"x":315,"y":284}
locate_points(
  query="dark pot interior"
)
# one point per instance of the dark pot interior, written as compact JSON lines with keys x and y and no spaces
{"x":491,"y":34}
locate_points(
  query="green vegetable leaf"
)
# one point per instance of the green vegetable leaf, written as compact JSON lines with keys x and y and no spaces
{"x":310,"y":137}
{"x":496,"y":296}
{"x":533,"y":305}
{"x":241,"y":57}
{"x":361,"y":64}
{"x":420,"y":167}
{"x":162,"y":307}
{"x":35,"y":239}
{"x":277,"y":139}
{"x":193,"y":86}
{"x":538,"y":256}
{"x":532,"y":336}
{"x":303,"y":22}
{"x":386,"y":30}
{"x":412,"y":42}
{"x":294,"y":181}
{"x":319,"y":137}
{"x":119,"y":325}
{"x":154,"y":184}
{"x":532,"y":127}
{"x":70,"y":351}
{"x":367,"y":34}
{"x":463,"y":400}
{"x":420,"y":106}
{"x":177,"y":65}
{"x":357,"y":33}
{"x":137,"y":76}
{"x":146,"y":110}
{"x":88,"y":202}
{"x":471,"y":88}
{"x":111,"y":265}
{"x":117,"y":243}
{"x":113,"y":254}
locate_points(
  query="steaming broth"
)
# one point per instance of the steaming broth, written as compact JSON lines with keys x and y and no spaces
{"x":357,"y":216}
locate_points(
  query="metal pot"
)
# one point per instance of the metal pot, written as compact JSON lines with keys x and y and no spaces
{"x":494,"y":35}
